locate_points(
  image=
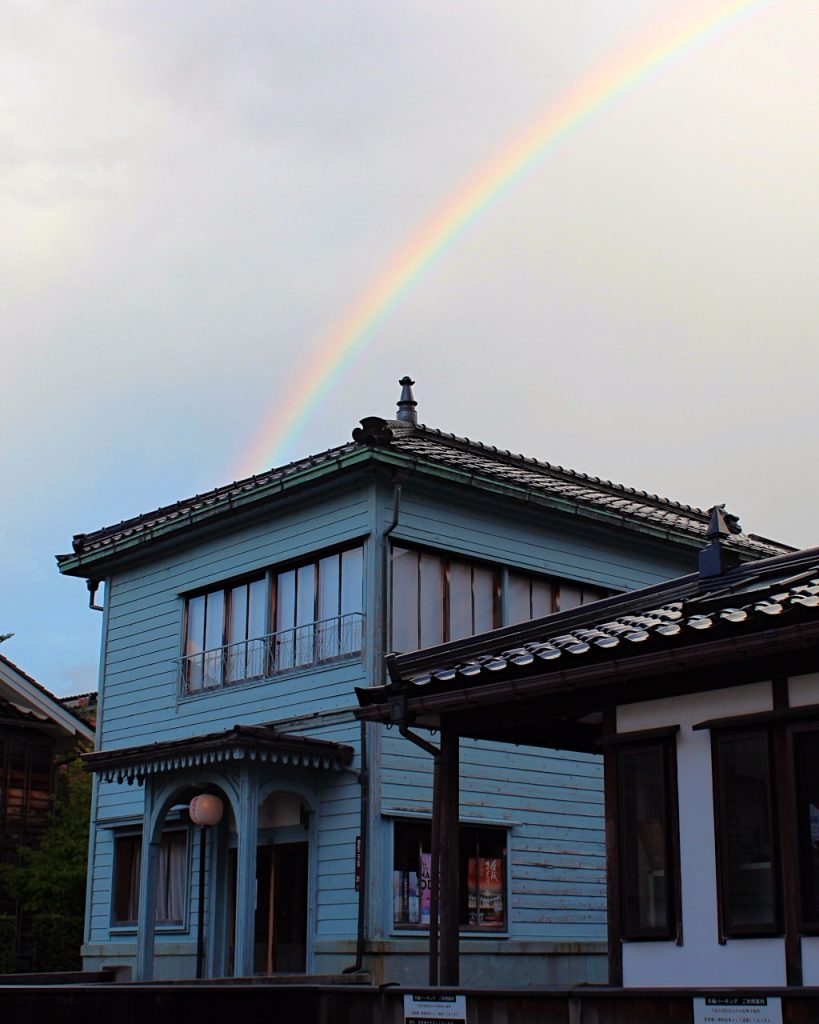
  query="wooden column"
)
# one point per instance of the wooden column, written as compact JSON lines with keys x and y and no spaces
{"x":610,"y":787}
{"x":435,"y":871}
{"x":784,"y":794}
{"x":449,"y":862}
{"x":148,"y":871}
{"x":248,"y":826}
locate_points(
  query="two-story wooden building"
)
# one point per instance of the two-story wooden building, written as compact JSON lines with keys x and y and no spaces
{"x":236,"y":628}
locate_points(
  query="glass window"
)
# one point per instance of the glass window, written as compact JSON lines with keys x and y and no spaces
{"x":230,"y":635}
{"x":482,"y":874}
{"x":806,"y":765}
{"x":745,"y":834}
{"x":647,"y":862}
{"x":171,"y":879}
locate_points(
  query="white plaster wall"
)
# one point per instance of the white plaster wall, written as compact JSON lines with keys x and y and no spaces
{"x":810,"y":959}
{"x":701,"y":960}
{"x":803,"y":690}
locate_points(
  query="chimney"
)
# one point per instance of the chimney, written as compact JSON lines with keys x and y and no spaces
{"x":406,"y":403}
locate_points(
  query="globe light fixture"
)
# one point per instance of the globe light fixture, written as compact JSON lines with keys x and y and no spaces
{"x":206,"y":809}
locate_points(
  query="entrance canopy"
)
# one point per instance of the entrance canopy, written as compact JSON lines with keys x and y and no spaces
{"x":260,"y":743}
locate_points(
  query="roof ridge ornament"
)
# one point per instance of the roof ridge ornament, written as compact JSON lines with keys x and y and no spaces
{"x":407,"y":403}
{"x":716,"y":558}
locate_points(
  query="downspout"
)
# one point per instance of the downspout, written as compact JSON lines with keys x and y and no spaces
{"x":364,"y":778}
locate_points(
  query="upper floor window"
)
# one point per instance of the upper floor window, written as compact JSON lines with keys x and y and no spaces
{"x":274,"y":622}
{"x":436,"y":599}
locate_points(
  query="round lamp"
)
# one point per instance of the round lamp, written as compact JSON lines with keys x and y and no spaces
{"x":206,"y":809}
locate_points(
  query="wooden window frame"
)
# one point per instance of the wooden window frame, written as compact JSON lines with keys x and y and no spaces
{"x":664,"y":742}
{"x":732,"y":931}
{"x":121,"y":925}
{"x":805,"y":924}
{"x":423,"y":825}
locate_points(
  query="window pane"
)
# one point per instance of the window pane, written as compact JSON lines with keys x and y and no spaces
{"x":126,"y":878}
{"x":285,"y":619}
{"x":570,"y":597}
{"x":328,"y":639}
{"x":305,"y":613}
{"x":645,"y":844}
{"x":431,"y":600}
{"x":745,"y":834}
{"x":352,"y":598}
{"x":484,"y":589}
{"x":404,"y":600}
{"x":170,"y":883}
{"x":459,"y":578}
{"x":256,"y":629}
{"x":214,"y":637}
{"x":236,"y":656}
{"x":520,"y":601}
{"x":195,"y":642}
{"x":806,"y":762}
{"x":411,"y":874}
{"x":541,"y":599}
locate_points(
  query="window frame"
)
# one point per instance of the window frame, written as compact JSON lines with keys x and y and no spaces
{"x":424,"y":825}
{"x":134,"y":835}
{"x":270,"y":575}
{"x":806,"y":925}
{"x":664,"y":742}
{"x":726,"y":928}
{"x":502,"y":573}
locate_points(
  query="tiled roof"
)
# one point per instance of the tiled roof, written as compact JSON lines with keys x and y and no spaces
{"x":48,"y":697}
{"x":757,"y":596}
{"x":419,"y":447}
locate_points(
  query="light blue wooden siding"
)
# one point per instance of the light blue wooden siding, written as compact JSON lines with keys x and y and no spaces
{"x":552,"y":804}
{"x":468,"y":524}
{"x":145,"y":620}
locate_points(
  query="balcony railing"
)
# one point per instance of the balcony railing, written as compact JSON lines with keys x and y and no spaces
{"x":270,"y":655}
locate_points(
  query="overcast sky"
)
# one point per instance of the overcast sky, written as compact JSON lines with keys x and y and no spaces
{"x":192,"y":193}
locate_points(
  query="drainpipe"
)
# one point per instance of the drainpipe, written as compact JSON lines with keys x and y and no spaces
{"x":364,"y":774}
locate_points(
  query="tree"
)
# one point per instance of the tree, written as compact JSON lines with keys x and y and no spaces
{"x":50,"y":880}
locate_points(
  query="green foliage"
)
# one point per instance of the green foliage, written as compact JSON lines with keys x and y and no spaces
{"x":50,"y":880}
{"x":8,"y":936}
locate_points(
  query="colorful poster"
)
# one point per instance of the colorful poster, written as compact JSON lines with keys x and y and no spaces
{"x":426,"y":886}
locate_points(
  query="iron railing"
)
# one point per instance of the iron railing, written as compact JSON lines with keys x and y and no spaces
{"x":264,"y":656}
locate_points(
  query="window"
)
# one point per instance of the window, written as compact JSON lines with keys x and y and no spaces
{"x":647,"y":828}
{"x":482,"y":876}
{"x":436,"y":599}
{"x":747,"y":870}
{"x":171,"y":879}
{"x":314,"y":612}
{"x":806,"y":770}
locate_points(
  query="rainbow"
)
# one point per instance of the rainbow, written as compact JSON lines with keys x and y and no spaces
{"x":651,"y":52}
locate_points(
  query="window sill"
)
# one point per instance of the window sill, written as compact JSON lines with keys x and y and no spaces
{"x":159,"y":929}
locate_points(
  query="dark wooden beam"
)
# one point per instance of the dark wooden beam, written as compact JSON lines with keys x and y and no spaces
{"x":450,"y":856}
{"x":788,"y":840}
{"x":613,"y":903}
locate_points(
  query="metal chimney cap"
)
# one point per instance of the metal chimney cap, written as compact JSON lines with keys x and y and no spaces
{"x":407,"y":403}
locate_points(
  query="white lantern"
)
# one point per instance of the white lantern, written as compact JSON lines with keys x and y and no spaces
{"x":206,"y":809}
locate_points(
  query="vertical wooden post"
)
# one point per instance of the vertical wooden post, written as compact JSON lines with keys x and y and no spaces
{"x":148,"y":870}
{"x":248,"y":826}
{"x":613,"y":905}
{"x":450,"y":858}
{"x":784,"y":795}
{"x":435,"y":871}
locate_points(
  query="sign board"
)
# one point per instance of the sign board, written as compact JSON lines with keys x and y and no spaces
{"x":358,"y":863}
{"x":737,"y":1010}
{"x":441,"y":1007}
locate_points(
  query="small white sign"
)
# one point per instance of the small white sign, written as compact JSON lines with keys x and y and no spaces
{"x":438,"y":1006}
{"x":737,"y":1010}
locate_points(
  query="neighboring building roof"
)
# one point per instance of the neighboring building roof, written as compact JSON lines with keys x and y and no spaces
{"x":261,"y":742}
{"x":405,"y":445}
{"x":31,"y":698}
{"x":755,"y":611}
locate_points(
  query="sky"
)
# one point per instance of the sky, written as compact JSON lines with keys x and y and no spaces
{"x":194,"y":194}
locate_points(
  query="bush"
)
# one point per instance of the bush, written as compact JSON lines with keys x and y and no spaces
{"x":8,"y":939}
